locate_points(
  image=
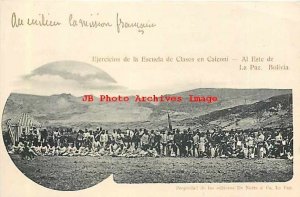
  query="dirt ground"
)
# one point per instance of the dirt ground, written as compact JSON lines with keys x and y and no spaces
{"x":75,"y":173}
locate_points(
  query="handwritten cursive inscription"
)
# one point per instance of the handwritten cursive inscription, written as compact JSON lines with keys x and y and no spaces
{"x":92,"y":21}
{"x":121,"y":24}
{"x":41,"y":21}
{"x":87,"y":23}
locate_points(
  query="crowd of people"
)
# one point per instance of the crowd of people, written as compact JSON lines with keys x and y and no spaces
{"x":250,"y":144}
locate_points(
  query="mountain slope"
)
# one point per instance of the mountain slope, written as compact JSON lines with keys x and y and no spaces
{"x":226,"y":98}
{"x":70,"y":110}
{"x":273,"y":112}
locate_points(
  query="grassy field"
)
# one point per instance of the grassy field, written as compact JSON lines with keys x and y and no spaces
{"x":75,"y":173}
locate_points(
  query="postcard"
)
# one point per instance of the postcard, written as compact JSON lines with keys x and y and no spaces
{"x":149,"y":98}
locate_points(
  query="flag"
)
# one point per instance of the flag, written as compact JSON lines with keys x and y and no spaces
{"x":169,"y":121}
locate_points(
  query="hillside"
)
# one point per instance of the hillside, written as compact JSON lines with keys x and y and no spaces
{"x":227,"y":98}
{"x":274,"y":112}
{"x":68,"y":110}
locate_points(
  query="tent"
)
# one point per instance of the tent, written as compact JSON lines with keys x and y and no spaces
{"x":22,"y":122}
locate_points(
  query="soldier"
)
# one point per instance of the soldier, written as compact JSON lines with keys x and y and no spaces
{"x":164,"y":141}
{"x":260,"y":145}
{"x":114,"y":135}
{"x":145,"y":141}
{"x":202,"y":142}
{"x":119,"y":140}
{"x":278,"y":144}
{"x":184,"y":143}
{"x":196,"y":144}
{"x":35,"y":138}
{"x":251,"y":146}
{"x":44,"y":135}
{"x":290,"y":148}
{"x":127,"y":140}
{"x":178,"y":143}
{"x":102,"y":139}
{"x":189,"y":142}
{"x":151,"y":139}
{"x":239,"y":138}
{"x":27,"y":152}
{"x":56,"y":137}
{"x":171,"y":145}
{"x":79,"y":139}
{"x":157,"y":142}
{"x":136,"y":139}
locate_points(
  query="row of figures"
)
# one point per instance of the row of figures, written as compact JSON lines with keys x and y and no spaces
{"x":264,"y":143}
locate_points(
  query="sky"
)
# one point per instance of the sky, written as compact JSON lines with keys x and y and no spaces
{"x":73,"y":77}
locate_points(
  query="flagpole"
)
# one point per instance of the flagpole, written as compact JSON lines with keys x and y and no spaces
{"x":169,"y":121}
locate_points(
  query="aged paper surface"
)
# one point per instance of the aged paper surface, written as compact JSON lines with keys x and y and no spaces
{"x":150,"y":48}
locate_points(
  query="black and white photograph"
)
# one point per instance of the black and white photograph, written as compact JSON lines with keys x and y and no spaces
{"x":204,"y":135}
{"x":149,"y":98}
